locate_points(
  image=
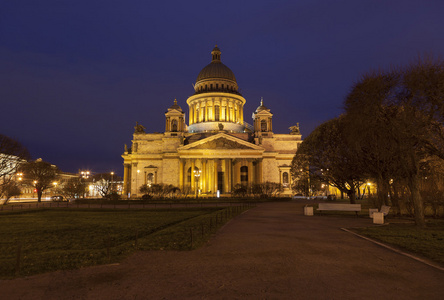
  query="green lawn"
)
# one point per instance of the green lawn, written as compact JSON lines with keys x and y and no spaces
{"x":427,"y":242}
{"x":56,"y":239}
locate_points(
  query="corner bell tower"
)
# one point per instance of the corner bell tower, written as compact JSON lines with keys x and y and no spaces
{"x":174,"y":119}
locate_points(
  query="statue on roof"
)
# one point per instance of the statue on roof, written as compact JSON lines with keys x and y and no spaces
{"x":139,"y":128}
{"x":295,"y":129}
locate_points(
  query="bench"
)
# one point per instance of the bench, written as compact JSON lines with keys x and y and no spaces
{"x":385,"y":210}
{"x":339,"y":207}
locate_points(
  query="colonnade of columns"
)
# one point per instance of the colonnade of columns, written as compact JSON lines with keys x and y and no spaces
{"x":211,"y":111}
{"x":215,"y":174}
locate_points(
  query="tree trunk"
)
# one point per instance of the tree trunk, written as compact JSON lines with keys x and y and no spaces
{"x":380,"y":191}
{"x":417,"y":200}
{"x":395,"y":200}
{"x":351,"y":193}
{"x":39,"y":195}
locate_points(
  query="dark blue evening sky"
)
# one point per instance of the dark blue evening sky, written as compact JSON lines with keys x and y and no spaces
{"x":75,"y":76}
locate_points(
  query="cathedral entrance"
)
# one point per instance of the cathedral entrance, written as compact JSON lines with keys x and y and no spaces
{"x":220,"y":182}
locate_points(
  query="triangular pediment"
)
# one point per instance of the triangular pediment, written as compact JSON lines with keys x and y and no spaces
{"x":221,"y":141}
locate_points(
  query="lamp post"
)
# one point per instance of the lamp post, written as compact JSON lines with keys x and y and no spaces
{"x":112,"y":180}
{"x":55,"y":187}
{"x":197,"y":174}
{"x":35,"y":186}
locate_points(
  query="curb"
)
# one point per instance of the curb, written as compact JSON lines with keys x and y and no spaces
{"x":396,"y":250}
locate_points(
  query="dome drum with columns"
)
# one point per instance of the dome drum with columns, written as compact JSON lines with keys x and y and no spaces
{"x":217,"y":143}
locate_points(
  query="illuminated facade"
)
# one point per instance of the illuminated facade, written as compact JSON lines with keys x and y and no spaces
{"x":217,"y":150}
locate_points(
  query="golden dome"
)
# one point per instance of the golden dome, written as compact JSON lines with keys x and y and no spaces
{"x":216,"y":77}
{"x":216,"y":70}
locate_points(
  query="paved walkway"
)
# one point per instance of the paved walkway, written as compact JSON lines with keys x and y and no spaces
{"x":269,"y":252}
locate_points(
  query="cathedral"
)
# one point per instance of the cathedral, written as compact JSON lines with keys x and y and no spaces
{"x":217,"y":150}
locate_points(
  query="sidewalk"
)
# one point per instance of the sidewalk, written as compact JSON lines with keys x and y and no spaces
{"x":269,"y":252}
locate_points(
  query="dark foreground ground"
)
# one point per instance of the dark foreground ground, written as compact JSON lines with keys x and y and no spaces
{"x":270,"y":252}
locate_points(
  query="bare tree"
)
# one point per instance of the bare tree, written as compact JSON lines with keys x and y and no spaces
{"x":9,"y":190}
{"x":368,"y":130}
{"x":105,"y":183}
{"x":12,"y":154}
{"x":325,"y":155}
{"x":73,"y":188}
{"x":399,"y":116}
{"x":39,"y":174}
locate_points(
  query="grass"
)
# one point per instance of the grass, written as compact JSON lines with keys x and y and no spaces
{"x":426,"y":242}
{"x":58,"y":239}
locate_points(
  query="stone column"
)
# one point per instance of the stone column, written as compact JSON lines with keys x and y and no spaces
{"x":230,"y":176}
{"x":181,"y":174}
{"x":235,"y":172}
{"x":193,"y":182}
{"x":191,"y":117}
{"x":241,"y":113}
{"x":259,"y":171}
{"x":215,"y":175}
{"x":211,"y":111}
{"x":204,"y":176}
{"x":250,"y":172}
{"x":226,"y":176}
{"x":210,"y":176}
{"x":126,"y":179}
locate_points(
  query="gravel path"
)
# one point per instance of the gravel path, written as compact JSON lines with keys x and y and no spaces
{"x":269,"y":252}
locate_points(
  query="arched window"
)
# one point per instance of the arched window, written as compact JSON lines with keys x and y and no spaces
{"x":174,"y":125}
{"x":263,"y":125}
{"x":285,"y":179}
{"x":244,"y":175}
{"x":189,"y":175}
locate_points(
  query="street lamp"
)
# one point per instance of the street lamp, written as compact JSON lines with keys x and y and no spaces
{"x":55,"y":187}
{"x":197,"y":174}
{"x":112,"y":180}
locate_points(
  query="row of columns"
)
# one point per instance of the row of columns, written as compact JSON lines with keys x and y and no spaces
{"x":174,"y":124}
{"x":259,"y":127}
{"x":204,"y":111}
{"x":208,"y":179}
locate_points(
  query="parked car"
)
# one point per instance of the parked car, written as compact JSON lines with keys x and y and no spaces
{"x":58,"y":198}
